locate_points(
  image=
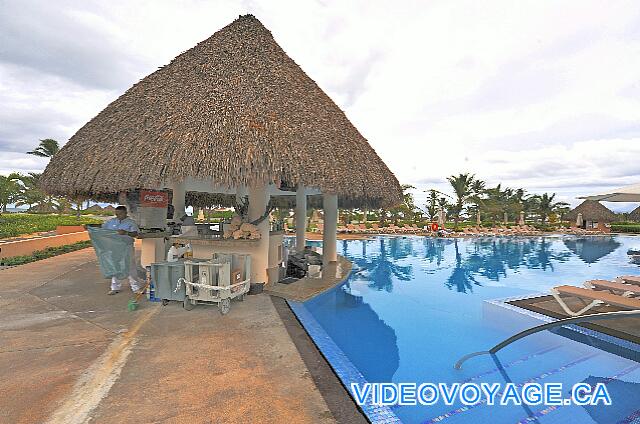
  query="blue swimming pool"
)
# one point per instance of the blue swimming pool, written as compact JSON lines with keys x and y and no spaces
{"x":413,"y":305}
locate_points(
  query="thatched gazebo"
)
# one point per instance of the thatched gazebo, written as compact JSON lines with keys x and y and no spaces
{"x":634,"y":215}
{"x":233,"y":115}
{"x":592,"y":212}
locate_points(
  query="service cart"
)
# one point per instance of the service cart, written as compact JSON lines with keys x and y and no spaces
{"x":225,"y":277}
{"x":166,"y":279}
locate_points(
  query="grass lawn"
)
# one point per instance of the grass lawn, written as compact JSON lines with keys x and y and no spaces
{"x":16,"y":224}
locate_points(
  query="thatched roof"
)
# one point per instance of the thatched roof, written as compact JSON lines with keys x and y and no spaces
{"x":234,"y":108}
{"x":591,"y":211}
{"x":634,"y":215}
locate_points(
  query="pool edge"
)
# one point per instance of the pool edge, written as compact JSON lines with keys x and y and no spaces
{"x":345,"y":370}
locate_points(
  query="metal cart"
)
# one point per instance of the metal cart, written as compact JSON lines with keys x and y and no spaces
{"x":166,"y":278}
{"x":225,"y":277}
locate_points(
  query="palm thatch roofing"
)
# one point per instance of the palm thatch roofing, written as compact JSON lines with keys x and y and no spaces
{"x":634,"y":215}
{"x":591,"y":210}
{"x":234,"y":108}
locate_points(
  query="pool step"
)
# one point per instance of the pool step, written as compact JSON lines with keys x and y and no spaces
{"x":556,"y":364}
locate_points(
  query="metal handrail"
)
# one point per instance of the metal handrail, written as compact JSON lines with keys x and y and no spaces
{"x":536,"y":329}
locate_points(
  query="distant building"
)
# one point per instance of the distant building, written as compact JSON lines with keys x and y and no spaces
{"x":594,"y":214}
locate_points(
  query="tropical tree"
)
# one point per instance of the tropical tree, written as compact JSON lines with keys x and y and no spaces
{"x":63,"y":205}
{"x":407,"y":209}
{"x":9,"y":190}
{"x":545,"y":205}
{"x":562,"y":211}
{"x":46,"y":149}
{"x":30,"y":195}
{"x":463,"y":186}
{"x":432,"y":204}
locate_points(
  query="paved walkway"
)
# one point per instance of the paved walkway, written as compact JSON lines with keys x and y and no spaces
{"x":71,"y":354}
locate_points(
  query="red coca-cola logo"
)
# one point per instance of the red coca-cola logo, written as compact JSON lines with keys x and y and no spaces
{"x":154,"y":199}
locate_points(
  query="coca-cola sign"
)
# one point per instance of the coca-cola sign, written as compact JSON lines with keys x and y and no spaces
{"x":153,"y":199}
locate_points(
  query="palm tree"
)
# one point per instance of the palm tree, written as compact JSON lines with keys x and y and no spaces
{"x":432,"y":204}
{"x":9,"y":190}
{"x":30,"y":195}
{"x":545,"y":205}
{"x":562,"y":211}
{"x":408,"y":207}
{"x":46,"y":149}
{"x":463,"y":186}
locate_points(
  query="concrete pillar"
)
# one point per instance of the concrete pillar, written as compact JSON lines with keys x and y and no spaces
{"x":178,"y":200}
{"x":301,"y":217}
{"x":258,"y":199}
{"x":329,"y":236}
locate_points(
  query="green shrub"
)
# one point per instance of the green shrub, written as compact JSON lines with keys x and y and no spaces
{"x":625,"y":227}
{"x":16,"y":224}
{"x":45,"y":253}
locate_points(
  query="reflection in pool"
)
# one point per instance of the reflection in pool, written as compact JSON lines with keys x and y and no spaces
{"x":413,"y":305}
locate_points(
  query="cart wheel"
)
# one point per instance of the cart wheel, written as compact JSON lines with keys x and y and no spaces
{"x":224,"y":305}
{"x":165,"y":302}
{"x":187,"y":305}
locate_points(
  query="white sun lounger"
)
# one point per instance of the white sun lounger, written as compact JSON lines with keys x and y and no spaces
{"x":597,"y":297}
{"x":629,"y":279}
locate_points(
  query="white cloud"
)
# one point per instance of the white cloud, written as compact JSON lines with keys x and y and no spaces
{"x":537,"y":94}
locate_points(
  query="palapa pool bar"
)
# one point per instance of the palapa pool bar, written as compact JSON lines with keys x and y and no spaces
{"x":232,"y":121}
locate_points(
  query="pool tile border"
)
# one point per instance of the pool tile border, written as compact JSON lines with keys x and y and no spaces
{"x":503,"y":303}
{"x":342,"y":366}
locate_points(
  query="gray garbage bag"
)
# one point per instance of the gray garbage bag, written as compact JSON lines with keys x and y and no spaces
{"x":113,"y":251}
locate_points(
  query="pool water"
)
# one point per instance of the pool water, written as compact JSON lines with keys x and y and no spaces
{"x":413,"y":305}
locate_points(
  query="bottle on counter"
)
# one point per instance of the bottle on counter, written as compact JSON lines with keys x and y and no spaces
{"x":188,"y":254}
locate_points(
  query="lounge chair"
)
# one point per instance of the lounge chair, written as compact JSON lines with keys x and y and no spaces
{"x":614,"y":287}
{"x":375,"y":228}
{"x":469,"y":231}
{"x":597,"y":297}
{"x":363,"y":228}
{"x":407,"y":229}
{"x":629,"y":279}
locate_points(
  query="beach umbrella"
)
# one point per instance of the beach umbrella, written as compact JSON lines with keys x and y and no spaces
{"x":441,"y":219}
{"x":521,"y":221}
{"x":478,"y":218}
{"x":505,"y":218}
{"x":579,"y":220}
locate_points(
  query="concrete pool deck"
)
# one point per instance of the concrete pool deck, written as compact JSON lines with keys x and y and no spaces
{"x":70,"y":353}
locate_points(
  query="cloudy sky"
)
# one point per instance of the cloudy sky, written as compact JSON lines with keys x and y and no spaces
{"x":538,"y":94}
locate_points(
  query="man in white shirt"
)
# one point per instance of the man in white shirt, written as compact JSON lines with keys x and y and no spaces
{"x":127,"y":228}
